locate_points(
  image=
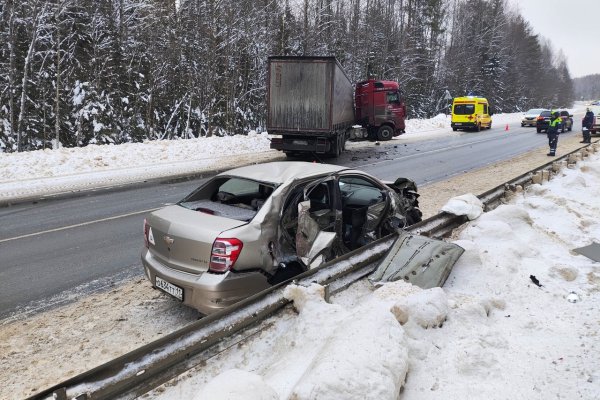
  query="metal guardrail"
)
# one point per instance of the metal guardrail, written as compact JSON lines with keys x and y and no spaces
{"x":145,"y":368}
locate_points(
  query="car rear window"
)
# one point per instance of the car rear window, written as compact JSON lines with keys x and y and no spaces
{"x":230,"y":197}
{"x":464,"y":109}
{"x":545,"y":114}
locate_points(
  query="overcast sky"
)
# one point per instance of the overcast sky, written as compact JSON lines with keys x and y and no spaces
{"x":563,"y":23}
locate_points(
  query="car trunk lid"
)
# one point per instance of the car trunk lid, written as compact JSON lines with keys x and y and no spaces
{"x":182,"y":239}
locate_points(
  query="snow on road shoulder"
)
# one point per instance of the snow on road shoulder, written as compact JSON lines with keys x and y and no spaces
{"x":48,"y":172}
{"x":489,"y":326}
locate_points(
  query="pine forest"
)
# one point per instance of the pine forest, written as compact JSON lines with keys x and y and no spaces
{"x":78,"y":72}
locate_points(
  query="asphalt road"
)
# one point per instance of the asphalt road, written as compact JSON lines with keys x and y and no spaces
{"x":52,"y":251}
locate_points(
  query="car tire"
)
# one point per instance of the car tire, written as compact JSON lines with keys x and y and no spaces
{"x":284,"y":273}
{"x":385,"y":133}
{"x":522,"y":125}
{"x":454,"y":129}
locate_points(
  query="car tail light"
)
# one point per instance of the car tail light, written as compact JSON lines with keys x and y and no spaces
{"x":540,"y":118}
{"x":146,"y":231}
{"x":224,"y":254}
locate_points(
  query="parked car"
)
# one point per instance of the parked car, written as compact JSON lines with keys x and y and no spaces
{"x":530,"y":117}
{"x":255,"y":226}
{"x":567,"y":118}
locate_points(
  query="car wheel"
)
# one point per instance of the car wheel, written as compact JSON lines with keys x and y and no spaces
{"x":285,"y":272}
{"x":454,"y":129}
{"x":385,"y":133}
{"x":522,"y":125}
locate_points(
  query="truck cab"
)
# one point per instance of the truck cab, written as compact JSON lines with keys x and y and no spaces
{"x":379,"y":108}
{"x":471,"y":112}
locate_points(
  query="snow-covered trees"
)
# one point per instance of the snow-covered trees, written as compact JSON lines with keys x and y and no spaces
{"x":76,"y":72}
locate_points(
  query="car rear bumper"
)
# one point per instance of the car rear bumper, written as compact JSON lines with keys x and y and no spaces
{"x":528,"y":122}
{"x":206,"y":292}
{"x":462,"y":125}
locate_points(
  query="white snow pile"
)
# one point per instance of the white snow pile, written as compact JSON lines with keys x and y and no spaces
{"x":490,"y":332}
{"x":92,"y":158}
{"x":333,"y":352}
{"x":466,"y":204}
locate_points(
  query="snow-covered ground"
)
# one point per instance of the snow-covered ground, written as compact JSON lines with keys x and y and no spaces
{"x":489,"y":332}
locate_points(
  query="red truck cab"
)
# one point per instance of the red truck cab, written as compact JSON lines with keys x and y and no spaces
{"x":379,"y":108}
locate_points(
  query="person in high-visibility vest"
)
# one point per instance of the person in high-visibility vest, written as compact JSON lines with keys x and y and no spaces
{"x":553,"y":127}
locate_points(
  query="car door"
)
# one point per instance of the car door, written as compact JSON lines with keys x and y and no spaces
{"x":310,"y":222}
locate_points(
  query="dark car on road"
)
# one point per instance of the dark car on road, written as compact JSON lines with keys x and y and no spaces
{"x":567,"y":120}
{"x":543,"y":121}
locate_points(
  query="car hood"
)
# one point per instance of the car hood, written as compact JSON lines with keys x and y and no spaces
{"x":182,"y":239}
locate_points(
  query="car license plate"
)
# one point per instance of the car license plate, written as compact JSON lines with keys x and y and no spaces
{"x":458,"y":123}
{"x":169,"y":288}
{"x":301,"y":142}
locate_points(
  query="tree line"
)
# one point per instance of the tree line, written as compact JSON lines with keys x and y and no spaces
{"x":587,"y":87}
{"x":77,"y":72}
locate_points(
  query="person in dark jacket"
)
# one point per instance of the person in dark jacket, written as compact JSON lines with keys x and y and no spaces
{"x":586,"y":125}
{"x":553,"y":127}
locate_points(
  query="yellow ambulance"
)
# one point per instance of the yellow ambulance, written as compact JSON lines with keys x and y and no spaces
{"x":471,"y":112}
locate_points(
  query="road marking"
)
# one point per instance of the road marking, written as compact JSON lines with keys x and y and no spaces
{"x":77,"y":225}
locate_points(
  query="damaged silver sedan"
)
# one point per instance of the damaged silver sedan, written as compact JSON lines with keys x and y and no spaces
{"x":253,"y":227}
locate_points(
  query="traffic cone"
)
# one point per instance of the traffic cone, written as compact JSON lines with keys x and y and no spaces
{"x":506,"y":128}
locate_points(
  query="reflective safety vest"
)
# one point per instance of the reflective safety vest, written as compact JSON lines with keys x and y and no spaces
{"x":554,"y":125}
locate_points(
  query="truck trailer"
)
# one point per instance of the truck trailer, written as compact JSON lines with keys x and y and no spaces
{"x":312,"y":107}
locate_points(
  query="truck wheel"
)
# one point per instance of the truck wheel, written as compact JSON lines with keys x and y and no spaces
{"x":385,"y":133}
{"x":335,"y":147}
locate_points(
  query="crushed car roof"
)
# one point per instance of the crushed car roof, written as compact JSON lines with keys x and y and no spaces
{"x":279,"y":172}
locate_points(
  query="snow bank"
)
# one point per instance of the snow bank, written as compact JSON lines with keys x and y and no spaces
{"x":237,"y":384}
{"x":501,"y":327}
{"x":466,"y":204}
